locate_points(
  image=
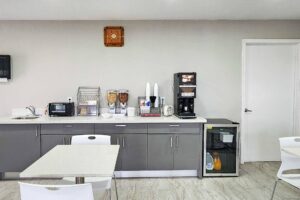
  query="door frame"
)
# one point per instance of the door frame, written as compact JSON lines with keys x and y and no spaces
{"x":246,"y":42}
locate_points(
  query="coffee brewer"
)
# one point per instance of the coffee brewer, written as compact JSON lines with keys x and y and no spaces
{"x":184,"y":95}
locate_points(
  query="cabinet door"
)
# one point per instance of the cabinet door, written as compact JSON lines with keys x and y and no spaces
{"x":19,"y":147}
{"x":116,"y":139}
{"x":48,"y":142}
{"x":134,"y":152}
{"x":187,"y":154}
{"x":160,"y":151}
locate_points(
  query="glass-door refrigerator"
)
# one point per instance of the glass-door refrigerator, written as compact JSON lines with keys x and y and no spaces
{"x":221,"y":148}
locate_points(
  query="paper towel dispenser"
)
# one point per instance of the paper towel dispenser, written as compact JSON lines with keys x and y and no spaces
{"x":5,"y":67}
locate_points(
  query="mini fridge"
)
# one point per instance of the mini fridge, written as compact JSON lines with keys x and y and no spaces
{"x":221,"y":148}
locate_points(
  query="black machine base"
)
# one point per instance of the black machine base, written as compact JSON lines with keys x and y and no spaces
{"x":186,"y":117}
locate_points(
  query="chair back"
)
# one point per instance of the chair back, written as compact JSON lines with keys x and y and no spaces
{"x":56,"y":192}
{"x":91,"y":139}
{"x":288,"y":161}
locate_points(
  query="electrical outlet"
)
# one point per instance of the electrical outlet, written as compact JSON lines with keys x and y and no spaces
{"x":70,"y":99}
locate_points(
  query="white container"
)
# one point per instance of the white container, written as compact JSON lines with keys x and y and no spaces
{"x":226,"y":137}
{"x":168,"y":110}
{"x":131,"y":112}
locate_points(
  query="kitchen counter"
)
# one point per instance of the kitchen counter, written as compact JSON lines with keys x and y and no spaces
{"x":99,"y":120}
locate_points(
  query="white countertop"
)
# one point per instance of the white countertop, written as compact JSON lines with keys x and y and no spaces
{"x":99,"y":120}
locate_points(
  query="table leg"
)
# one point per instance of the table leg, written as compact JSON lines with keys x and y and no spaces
{"x":79,"y":180}
{"x":116,"y":186}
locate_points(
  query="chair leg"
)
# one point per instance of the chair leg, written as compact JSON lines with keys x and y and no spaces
{"x":116,"y":187}
{"x":274,"y":188}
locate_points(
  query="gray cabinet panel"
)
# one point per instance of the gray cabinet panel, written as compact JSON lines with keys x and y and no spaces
{"x":120,"y":128}
{"x":160,"y":151}
{"x":50,"y":141}
{"x":134,"y":152}
{"x":19,"y":147}
{"x":188,"y":153}
{"x":115,"y":139}
{"x":72,"y":129}
{"x":174,"y":128}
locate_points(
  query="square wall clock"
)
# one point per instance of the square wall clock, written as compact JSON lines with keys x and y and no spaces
{"x":114,"y":36}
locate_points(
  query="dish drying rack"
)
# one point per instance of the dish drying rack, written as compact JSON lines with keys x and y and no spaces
{"x":88,"y":101}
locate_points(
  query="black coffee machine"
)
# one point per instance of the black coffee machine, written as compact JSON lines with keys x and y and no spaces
{"x":184,"y":94}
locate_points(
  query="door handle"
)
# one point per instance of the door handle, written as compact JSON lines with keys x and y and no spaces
{"x":177,"y":141}
{"x":174,"y":125}
{"x":36,"y":132}
{"x":120,"y":125}
{"x":247,"y":110}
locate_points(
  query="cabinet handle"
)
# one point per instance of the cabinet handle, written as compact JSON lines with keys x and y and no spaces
{"x":68,"y":126}
{"x":174,"y":125}
{"x":120,"y":125}
{"x":64,"y":140}
{"x":36,"y":132}
{"x":171,"y":140}
{"x":177,"y":141}
{"x":123,"y":142}
{"x":118,"y":141}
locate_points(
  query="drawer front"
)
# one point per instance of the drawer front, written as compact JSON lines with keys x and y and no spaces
{"x":193,"y":128}
{"x":67,"y":129}
{"x":120,"y":128}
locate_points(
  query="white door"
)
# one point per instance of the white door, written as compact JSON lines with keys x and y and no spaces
{"x":269,"y":89}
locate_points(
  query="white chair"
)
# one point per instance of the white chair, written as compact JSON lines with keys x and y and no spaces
{"x":288,"y":162}
{"x":56,"y":192}
{"x":98,"y":183}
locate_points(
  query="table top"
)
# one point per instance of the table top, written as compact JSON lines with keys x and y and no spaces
{"x":292,"y":150}
{"x":75,"y":161}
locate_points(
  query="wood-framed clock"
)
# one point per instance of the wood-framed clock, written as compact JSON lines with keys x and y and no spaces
{"x":114,"y":36}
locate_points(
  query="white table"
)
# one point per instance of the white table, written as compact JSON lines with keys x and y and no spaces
{"x":292,"y":150}
{"x":75,"y":161}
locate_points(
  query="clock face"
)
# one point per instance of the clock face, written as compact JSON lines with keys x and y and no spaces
{"x":114,"y":36}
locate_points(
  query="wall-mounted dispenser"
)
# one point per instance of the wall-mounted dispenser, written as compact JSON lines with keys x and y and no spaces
{"x":5,"y":68}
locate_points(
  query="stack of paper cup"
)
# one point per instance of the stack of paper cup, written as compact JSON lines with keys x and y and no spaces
{"x":131,"y":111}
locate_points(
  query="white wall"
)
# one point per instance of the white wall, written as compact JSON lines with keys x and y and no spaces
{"x":51,"y":59}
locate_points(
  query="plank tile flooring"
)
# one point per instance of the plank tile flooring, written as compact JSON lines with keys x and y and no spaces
{"x":255,"y":183}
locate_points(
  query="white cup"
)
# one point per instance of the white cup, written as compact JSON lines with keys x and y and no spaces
{"x":131,"y":112}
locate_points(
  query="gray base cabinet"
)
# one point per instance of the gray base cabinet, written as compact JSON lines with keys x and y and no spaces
{"x":50,"y":141}
{"x":134,"y":152}
{"x":174,"y":146}
{"x":55,"y":134}
{"x":19,"y":146}
{"x":132,"y":139}
{"x":160,"y":152}
{"x":152,"y":146}
{"x":187,"y":152}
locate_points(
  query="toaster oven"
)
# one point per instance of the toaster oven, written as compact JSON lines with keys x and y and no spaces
{"x":61,"y":109}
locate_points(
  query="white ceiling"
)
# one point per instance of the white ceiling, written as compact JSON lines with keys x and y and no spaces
{"x":148,"y":9}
